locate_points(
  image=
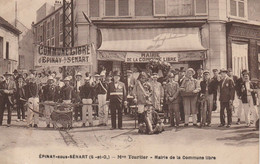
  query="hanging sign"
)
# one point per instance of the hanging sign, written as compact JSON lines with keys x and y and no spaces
{"x":145,"y":57}
{"x":64,"y":56}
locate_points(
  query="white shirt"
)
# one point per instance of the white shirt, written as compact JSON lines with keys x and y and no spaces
{"x":248,"y":87}
{"x":78,"y":85}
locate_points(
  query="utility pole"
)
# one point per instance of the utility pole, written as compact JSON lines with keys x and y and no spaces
{"x":68,"y":27}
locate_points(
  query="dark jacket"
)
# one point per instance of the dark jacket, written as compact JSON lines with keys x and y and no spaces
{"x":212,"y":86}
{"x":101,"y":88}
{"x":11,"y":87}
{"x":239,"y":84}
{"x":243,"y":91}
{"x":227,"y":90}
{"x":32,"y":90}
{"x":51,"y":93}
{"x":86,"y":91}
{"x":215,"y":85}
{"x":116,"y":94}
{"x":20,"y":93}
{"x":67,"y":93}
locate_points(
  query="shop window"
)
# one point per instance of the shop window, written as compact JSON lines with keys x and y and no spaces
{"x":239,"y":57}
{"x":94,"y":8}
{"x":180,"y":7}
{"x":144,"y":7}
{"x":159,"y":7}
{"x":238,"y":8}
{"x":201,"y":7}
{"x":116,"y":7}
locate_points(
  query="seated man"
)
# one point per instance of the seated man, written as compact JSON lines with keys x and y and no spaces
{"x":152,"y":122}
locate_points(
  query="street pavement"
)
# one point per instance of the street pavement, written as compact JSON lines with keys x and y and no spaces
{"x":238,"y":144}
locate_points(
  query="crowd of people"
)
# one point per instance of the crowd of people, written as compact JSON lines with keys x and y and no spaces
{"x":179,"y":95}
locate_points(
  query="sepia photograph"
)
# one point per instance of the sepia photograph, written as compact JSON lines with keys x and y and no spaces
{"x":129,"y":81}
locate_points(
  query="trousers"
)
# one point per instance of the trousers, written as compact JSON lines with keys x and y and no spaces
{"x":223,"y":106}
{"x":20,"y":108}
{"x":48,"y":110}
{"x":206,"y":111}
{"x":32,"y":117}
{"x":103,"y":109}
{"x":250,"y":108}
{"x":4,"y":103}
{"x":174,"y":113}
{"x":116,"y":107}
{"x":85,"y":109}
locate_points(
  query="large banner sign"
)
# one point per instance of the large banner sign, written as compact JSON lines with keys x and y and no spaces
{"x":145,"y":57}
{"x":64,"y":56}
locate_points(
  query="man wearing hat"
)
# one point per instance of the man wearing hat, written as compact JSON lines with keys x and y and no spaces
{"x":157,"y":92}
{"x":7,"y":89}
{"x":249,"y":99}
{"x":15,"y":74}
{"x":101,"y":91}
{"x":116,"y":94}
{"x":32,"y":94}
{"x":66,"y":92}
{"x":189,"y":89}
{"x":215,"y":80}
{"x":20,"y":97}
{"x":226,"y":98}
{"x":239,"y":84}
{"x":77,"y":85}
{"x":50,"y":95}
{"x":87,"y":95}
{"x":206,"y":94}
{"x":172,"y":99}
{"x":180,"y":80}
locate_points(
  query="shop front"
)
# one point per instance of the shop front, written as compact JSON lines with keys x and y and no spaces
{"x":243,"y":48}
{"x":123,"y":49}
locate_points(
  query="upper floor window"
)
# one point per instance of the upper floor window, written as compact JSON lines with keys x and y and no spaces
{"x":94,"y":8}
{"x":52,"y":27}
{"x":117,"y":8}
{"x":160,"y":7}
{"x":143,"y":7}
{"x":48,"y":30}
{"x":238,"y":8}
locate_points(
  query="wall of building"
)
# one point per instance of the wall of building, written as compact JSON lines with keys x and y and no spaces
{"x":8,"y":65}
{"x":43,"y":11}
{"x":254,"y":10}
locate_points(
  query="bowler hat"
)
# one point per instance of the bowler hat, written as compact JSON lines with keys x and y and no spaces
{"x":206,"y":72}
{"x":15,"y":71}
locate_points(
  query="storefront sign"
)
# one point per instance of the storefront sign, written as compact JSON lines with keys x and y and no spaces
{"x":145,"y":57}
{"x":63,"y":56}
{"x":111,"y":56}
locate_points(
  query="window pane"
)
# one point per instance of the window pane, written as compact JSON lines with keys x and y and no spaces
{"x":94,"y":8}
{"x":241,"y":9}
{"x":123,"y":7}
{"x":160,"y":7}
{"x":201,"y":6}
{"x":143,"y":7}
{"x":233,"y":8}
{"x":180,"y":7}
{"x":110,"y":7}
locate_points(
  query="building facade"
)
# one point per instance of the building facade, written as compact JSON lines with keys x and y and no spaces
{"x":9,"y":36}
{"x":186,"y":33}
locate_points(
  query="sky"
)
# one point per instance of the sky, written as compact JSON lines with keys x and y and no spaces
{"x":26,"y":10}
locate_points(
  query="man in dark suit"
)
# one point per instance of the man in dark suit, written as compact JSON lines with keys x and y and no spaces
{"x":116,"y":94}
{"x":226,"y":97}
{"x":8,"y":88}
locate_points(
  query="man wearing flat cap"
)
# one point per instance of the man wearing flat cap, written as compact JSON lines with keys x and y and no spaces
{"x":206,"y":94}
{"x":248,"y":92}
{"x":116,"y":94}
{"x":226,"y":97}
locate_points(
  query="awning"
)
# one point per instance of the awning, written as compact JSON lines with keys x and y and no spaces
{"x":151,"y":40}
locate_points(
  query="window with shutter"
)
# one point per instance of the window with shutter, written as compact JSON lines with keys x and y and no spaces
{"x":117,"y":8}
{"x":143,"y":7}
{"x":123,"y":8}
{"x":180,"y":7}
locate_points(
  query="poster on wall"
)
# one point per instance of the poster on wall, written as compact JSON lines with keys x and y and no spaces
{"x":64,"y":56}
